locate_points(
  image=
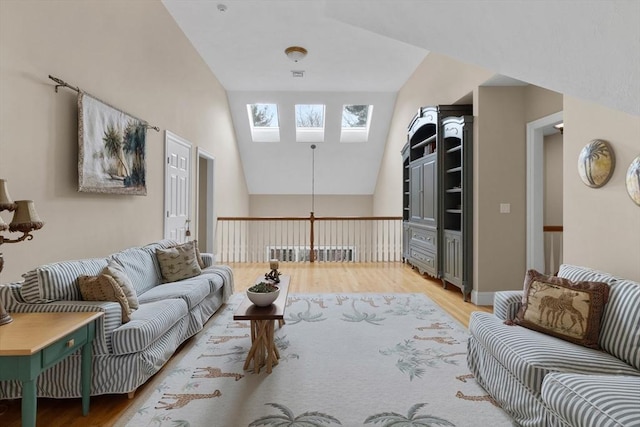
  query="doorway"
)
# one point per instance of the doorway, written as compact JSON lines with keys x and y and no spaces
{"x":536,"y":131}
{"x":205,"y":217}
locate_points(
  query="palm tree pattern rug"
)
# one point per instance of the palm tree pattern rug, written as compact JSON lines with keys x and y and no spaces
{"x":345,"y":360}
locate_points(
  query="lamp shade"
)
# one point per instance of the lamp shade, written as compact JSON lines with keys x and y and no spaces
{"x":25,"y":218}
{"x":6,"y":204}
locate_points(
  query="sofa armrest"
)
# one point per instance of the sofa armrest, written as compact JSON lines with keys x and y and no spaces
{"x":208,"y":259}
{"x":506,"y":304}
{"x":10,"y":295}
{"x":105,"y":325}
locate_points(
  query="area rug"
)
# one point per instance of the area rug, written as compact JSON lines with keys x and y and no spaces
{"x":345,"y":359}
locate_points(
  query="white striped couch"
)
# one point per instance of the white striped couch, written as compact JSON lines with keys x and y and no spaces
{"x":124,"y":355}
{"x":545,"y":381}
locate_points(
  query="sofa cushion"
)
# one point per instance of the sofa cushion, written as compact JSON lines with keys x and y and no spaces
{"x":114,"y":270}
{"x":594,"y":400}
{"x":568,"y":310}
{"x":216,"y":281}
{"x":139,"y":265}
{"x":160,"y":244}
{"x":530,"y":355}
{"x":620,"y":334}
{"x":104,"y":288}
{"x":192,"y":291}
{"x":58,"y":281}
{"x":577,"y":273}
{"x":148,"y":323}
{"x":179,"y":262}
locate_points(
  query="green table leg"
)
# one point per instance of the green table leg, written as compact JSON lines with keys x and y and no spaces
{"x":29,"y":403}
{"x":86,"y":377}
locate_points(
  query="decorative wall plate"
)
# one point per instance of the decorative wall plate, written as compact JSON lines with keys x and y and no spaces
{"x":596,"y":163}
{"x":633,"y":180}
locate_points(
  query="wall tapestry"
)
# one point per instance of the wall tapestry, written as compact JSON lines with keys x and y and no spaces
{"x":596,"y":163}
{"x":633,"y":180}
{"x":111,"y":156}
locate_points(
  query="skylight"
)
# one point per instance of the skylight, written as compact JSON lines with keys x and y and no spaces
{"x":355,"y":123}
{"x":263,"y":119}
{"x":310,"y":122}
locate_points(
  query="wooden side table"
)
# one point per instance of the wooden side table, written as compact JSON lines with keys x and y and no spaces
{"x":263,"y":349}
{"x":34,"y":342}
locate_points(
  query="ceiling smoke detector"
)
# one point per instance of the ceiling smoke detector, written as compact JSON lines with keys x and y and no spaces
{"x":295,"y":53}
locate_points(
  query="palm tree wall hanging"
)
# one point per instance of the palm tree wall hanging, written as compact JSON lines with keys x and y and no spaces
{"x":596,"y":163}
{"x":111,"y":149}
{"x":633,"y":180}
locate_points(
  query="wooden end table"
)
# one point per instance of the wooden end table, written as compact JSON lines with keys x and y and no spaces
{"x":34,"y":342}
{"x":263,"y":351}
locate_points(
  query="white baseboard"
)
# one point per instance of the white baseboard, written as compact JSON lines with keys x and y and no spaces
{"x":482,"y":298}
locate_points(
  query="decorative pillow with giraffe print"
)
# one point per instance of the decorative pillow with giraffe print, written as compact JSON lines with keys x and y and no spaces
{"x":559,"y":307}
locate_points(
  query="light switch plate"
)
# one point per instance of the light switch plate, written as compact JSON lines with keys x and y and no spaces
{"x":505,"y":207}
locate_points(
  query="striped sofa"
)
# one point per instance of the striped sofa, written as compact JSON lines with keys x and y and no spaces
{"x":124,"y":355}
{"x":545,"y":381}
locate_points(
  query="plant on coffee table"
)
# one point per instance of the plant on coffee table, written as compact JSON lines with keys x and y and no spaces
{"x":263,"y":288}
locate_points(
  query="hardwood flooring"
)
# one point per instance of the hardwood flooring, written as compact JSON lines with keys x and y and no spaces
{"x":305,"y":278}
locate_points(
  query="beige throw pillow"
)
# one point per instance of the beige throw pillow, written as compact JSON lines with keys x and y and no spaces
{"x":568,"y":310}
{"x":104,"y":288}
{"x":179,"y":262}
{"x":114,"y":270}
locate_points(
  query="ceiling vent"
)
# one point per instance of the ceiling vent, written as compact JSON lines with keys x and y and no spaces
{"x":295,"y":73}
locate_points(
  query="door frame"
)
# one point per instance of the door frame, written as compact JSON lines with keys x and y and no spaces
{"x":170,"y":137}
{"x":535,"y":189}
{"x":210,"y":218}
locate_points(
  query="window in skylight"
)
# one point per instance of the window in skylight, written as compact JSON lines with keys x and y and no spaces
{"x":355,"y":123}
{"x":263,"y":119}
{"x":309,"y":122}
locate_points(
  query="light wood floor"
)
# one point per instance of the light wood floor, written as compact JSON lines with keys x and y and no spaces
{"x":305,"y":278}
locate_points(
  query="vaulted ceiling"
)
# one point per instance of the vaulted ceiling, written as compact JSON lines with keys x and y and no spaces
{"x":363,"y":51}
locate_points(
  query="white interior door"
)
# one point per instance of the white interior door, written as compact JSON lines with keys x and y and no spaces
{"x":177,"y":187}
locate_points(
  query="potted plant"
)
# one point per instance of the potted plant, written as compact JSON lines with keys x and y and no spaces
{"x":263,"y":294}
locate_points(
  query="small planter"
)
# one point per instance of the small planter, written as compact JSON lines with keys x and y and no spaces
{"x":263,"y":294}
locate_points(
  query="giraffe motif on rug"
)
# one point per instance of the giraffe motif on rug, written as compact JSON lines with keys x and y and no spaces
{"x":388,"y":299}
{"x":483,"y":398}
{"x":319,"y":301}
{"x":291,"y":300}
{"x":181,"y":400}
{"x":437,"y":325}
{"x":369,"y":301}
{"x":212,"y":372}
{"x":340,"y":299}
{"x":239,"y":325}
{"x":221,"y":339}
{"x":439,"y":340}
{"x":464,"y":378}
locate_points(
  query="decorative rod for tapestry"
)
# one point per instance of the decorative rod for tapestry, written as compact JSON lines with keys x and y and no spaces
{"x":62,"y":83}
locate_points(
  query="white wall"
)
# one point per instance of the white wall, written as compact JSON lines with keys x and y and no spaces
{"x":133,"y":56}
{"x":300,"y":205}
{"x":601,"y":225}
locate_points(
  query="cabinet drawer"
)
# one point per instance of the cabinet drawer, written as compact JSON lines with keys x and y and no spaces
{"x":424,"y":259}
{"x":63,"y":347}
{"x":424,"y":237}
